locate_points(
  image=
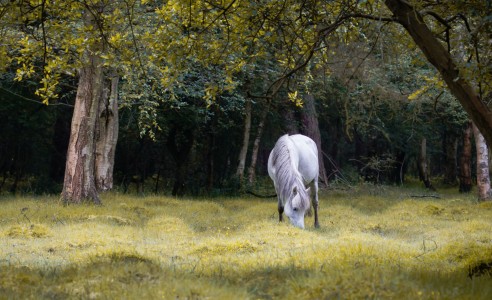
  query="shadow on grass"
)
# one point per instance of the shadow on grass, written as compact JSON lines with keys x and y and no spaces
{"x":132,"y":276}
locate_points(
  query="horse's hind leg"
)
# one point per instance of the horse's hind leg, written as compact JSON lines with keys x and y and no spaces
{"x":315,"y":203}
{"x":316,"y":222}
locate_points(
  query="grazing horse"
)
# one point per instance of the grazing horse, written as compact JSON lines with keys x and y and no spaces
{"x":292,"y":165}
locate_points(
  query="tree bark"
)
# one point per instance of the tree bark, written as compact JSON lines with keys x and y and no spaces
{"x":290,"y":125}
{"x":79,"y":183}
{"x":311,"y":129}
{"x":256,"y":146}
{"x":436,"y":54}
{"x":423,"y":166}
{"x":107,"y":136}
{"x":244,"y":149}
{"x":450,"y":164}
{"x":483,"y":175}
{"x":465,"y":161}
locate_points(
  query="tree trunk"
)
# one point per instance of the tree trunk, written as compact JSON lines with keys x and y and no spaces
{"x":311,"y":129}
{"x":399,"y":169}
{"x":210,"y":160}
{"x":79,"y":183}
{"x":483,"y":175}
{"x":450,"y":164}
{"x":107,"y":137}
{"x":180,"y":142}
{"x":290,"y":124}
{"x":436,"y":54}
{"x":423,"y":166}
{"x":244,"y":150}
{"x":465,"y":161}
{"x":256,"y":146}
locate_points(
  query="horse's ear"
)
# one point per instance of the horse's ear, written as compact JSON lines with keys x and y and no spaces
{"x":294,"y":190}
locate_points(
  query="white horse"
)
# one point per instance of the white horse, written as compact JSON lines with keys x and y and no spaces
{"x":292,"y":165}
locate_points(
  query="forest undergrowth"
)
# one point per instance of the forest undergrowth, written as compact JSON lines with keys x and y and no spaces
{"x":375,"y":242}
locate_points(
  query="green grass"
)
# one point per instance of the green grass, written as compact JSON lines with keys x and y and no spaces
{"x":374,"y":242}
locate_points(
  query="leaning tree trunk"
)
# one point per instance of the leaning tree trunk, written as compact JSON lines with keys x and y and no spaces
{"x":107,"y":136}
{"x":436,"y":54}
{"x":483,"y":175}
{"x":79,"y":182}
{"x":423,"y":166}
{"x":465,"y":160}
{"x":244,"y":148}
{"x":311,"y":129}
{"x":256,"y":146}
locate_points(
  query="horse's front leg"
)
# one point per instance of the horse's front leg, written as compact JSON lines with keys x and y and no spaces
{"x":280,"y":210}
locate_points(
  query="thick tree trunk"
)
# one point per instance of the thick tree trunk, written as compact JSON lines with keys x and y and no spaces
{"x":311,"y":129}
{"x":483,"y":175}
{"x":465,"y":161}
{"x":79,"y":182}
{"x":436,"y":54}
{"x":423,"y":166}
{"x":256,"y":146}
{"x":244,"y":149}
{"x":290,"y":124}
{"x":107,"y":136}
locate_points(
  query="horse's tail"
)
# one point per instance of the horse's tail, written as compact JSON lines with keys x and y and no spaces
{"x":261,"y":196}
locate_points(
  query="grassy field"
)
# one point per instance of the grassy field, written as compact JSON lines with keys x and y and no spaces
{"x":374,"y":242}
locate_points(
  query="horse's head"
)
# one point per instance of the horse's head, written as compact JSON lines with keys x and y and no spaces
{"x":298,"y":205}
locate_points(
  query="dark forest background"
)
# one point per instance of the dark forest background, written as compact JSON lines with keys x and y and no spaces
{"x":370,"y":132}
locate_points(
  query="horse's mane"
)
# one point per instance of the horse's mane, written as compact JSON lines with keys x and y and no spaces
{"x":287,"y":173}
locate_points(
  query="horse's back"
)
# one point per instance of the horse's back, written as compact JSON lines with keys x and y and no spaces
{"x":308,"y":156}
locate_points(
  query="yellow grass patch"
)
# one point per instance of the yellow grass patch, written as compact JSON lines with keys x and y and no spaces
{"x":374,"y":242}
{"x":28,"y":231}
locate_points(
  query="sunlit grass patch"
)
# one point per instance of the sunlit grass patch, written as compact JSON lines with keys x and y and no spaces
{"x":167,"y":224}
{"x":28,"y":231}
{"x":117,"y":220}
{"x":221,"y":248}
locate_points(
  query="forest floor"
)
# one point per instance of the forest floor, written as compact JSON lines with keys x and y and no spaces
{"x":374,"y":242}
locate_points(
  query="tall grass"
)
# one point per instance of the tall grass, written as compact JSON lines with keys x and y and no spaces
{"x":374,"y":242}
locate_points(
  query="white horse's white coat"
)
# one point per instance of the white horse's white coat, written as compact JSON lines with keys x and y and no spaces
{"x":293,"y":165}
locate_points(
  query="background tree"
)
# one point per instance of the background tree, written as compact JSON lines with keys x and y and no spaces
{"x":465,"y":160}
{"x":460,"y":86}
{"x":107,"y":128}
{"x":483,"y":172}
{"x":66,"y":38}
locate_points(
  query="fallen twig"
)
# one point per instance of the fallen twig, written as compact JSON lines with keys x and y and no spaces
{"x":261,"y":196}
{"x":426,"y":196}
